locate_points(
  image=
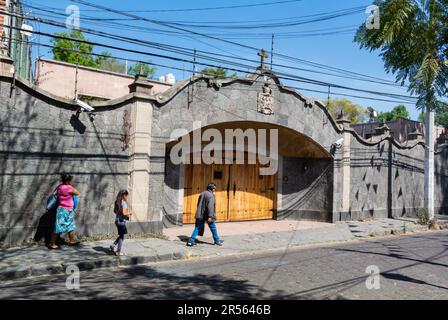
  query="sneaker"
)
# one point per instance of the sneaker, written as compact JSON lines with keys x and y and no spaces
{"x":190,"y":244}
{"x":112,"y":248}
{"x":119,"y":254}
{"x":219,"y":243}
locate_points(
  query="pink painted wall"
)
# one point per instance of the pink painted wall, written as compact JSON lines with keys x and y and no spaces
{"x":58,"y":78}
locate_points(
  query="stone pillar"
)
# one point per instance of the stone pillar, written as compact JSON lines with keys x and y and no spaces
{"x":429,"y":163}
{"x":140,"y":150}
{"x":345,"y":167}
{"x":141,"y":85}
{"x":383,"y":129}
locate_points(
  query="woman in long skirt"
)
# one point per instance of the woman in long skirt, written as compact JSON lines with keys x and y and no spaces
{"x":65,"y":222}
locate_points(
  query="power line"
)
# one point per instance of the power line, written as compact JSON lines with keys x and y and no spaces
{"x":281,"y":56}
{"x":191,"y":70}
{"x":227,"y":35}
{"x":212,"y":8}
{"x":86,"y":3}
{"x":285,"y":77}
{"x":181,"y":50}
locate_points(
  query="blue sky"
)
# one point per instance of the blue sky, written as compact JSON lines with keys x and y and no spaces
{"x":337,"y":50}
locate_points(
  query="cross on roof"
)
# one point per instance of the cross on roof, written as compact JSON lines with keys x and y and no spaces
{"x":263,"y":56}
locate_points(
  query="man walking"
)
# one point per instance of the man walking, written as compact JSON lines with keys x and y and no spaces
{"x":206,"y":212}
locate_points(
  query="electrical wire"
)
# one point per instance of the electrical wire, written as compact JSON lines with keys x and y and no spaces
{"x":211,"y":8}
{"x":191,"y":71}
{"x":291,"y":78}
{"x":182,"y":50}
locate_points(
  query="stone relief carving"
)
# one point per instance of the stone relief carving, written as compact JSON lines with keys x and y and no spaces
{"x":266,"y":100}
{"x":214,"y":83}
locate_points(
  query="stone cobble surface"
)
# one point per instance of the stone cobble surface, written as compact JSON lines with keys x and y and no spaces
{"x":411,"y":267}
{"x":33,"y":261}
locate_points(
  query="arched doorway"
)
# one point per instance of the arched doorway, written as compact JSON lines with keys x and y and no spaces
{"x":243,"y":194}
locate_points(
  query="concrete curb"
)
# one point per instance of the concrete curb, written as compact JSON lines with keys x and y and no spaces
{"x":90,"y":264}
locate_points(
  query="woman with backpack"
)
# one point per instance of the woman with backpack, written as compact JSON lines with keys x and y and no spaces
{"x":65,"y":222}
{"x":122,"y":214}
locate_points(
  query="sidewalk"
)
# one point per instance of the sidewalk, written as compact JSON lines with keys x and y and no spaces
{"x":243,"y":237}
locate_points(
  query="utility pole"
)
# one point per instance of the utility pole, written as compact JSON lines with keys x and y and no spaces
{"x":429,"y":162}
{"x":11,"y":25}
{"x":76,"y":78}
{"x":272,"y":49}
{"x":194,"y":63}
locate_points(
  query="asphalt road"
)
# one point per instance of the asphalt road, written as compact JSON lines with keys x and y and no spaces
{"x":411,"y":267}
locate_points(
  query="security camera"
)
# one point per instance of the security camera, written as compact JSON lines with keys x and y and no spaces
{"x":338,"y":143}
{"x":84,"y":106}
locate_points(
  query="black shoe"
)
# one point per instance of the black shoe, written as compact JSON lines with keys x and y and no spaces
{"x":219,"y":243}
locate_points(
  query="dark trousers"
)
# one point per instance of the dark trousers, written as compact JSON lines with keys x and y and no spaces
{"x":119,"y":242}
{"x":122,"y":230}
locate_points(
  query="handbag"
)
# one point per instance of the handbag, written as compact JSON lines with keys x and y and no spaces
{"x":52,"y":202}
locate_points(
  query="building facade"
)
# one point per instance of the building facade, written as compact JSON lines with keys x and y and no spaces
{"x":401,"y":130}
{"x":15,"y":43}
{"x":67,"y":80}
{"x":325,"y":171}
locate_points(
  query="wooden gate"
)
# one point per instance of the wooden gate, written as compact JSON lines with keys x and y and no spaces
{"x":241,"y":192}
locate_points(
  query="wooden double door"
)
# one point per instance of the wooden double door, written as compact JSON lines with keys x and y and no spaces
{"x":242,"y":194}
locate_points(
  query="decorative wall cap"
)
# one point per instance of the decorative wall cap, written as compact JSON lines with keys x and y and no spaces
{"x":141,"y":84}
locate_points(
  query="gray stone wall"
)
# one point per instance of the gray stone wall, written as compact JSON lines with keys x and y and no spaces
{"x":307,"y":189}
{"x":369,"y":180}
{"x":408,"y":181}
{"x":40,"y":139}
{"x":386,"y":180}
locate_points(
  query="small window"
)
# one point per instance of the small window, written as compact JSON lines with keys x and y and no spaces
{"x":217,"y":175}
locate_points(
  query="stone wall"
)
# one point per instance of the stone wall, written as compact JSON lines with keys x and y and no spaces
{"x":40,"y":138}
{"x":386,"y":180}
{"x":126,"y":147}
{"x":408,"y":180}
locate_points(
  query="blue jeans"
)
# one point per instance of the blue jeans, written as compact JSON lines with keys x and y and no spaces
{"x":200,"y":224}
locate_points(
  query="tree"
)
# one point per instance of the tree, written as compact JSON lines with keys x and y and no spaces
{"x":106,"y":62}
{"x":412,"y":39}
{"x":355,"y":113}
{"x":396,"y":113}
{"x":217,"y":73}
{"x":72,"y":51}
{"x":441,"y":114}
{"x":142,"y":69}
